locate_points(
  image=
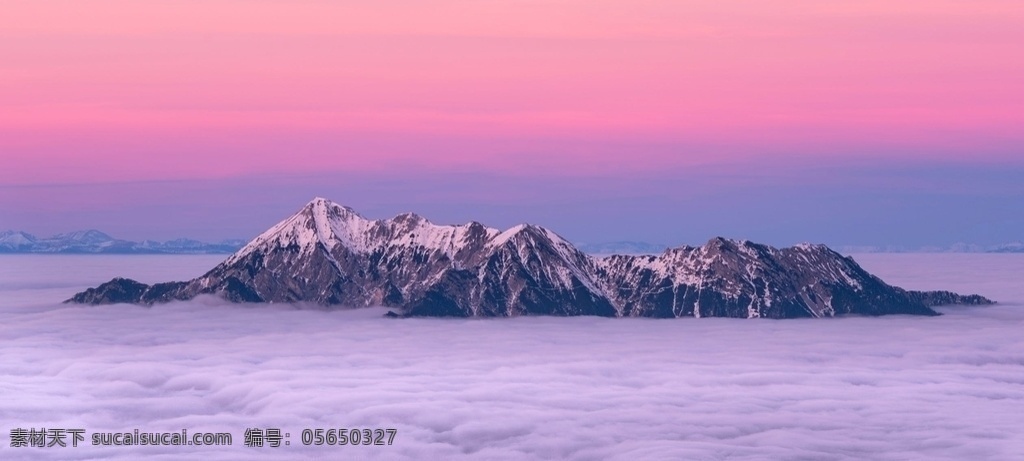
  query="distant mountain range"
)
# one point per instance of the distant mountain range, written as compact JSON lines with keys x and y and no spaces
{"x":644,"y":248}
{"x":96,"y":242}
{"x":622,"y":248}
{"x":1013,"y":247}
{"x":328,"y":254}
{"x":1016,"y":247}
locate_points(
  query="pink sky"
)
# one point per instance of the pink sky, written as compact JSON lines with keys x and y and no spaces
{"x":109,"y":90}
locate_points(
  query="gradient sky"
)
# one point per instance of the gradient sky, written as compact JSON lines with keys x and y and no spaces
{"x":843,"y":122}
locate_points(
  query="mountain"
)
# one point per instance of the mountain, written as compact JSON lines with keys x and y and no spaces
{"x":1012,"y":247}
{"x":328,"y":254}
{"x":1015,"y":247}
{"x":16,"y":241}
{"x":94,"y":241}
{"x":621,"y":248}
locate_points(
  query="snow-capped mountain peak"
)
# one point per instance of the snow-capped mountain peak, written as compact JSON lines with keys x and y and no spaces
{"x":90,"y":236}
{"x":319,"y":222}
{"x":16,"y":240}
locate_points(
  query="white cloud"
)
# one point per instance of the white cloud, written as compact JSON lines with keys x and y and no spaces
{"x":949,"y":387}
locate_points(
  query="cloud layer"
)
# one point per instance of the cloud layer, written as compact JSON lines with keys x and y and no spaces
{"x":950,"y":387}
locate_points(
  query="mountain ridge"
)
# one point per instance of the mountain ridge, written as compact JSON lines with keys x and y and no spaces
{"x":92,"y":241}
{"x":329,"y":254}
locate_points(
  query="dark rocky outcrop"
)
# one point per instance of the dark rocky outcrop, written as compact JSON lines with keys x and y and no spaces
{"x":945,"y":298}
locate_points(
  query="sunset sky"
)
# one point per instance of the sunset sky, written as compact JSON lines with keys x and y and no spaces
{"x":842,"y":122}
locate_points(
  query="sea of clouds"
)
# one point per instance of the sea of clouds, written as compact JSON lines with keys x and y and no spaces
{"x":889,"y":388}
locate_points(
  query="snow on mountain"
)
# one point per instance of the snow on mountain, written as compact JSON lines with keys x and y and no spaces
{"x":960,"y":247}
{"x":1015,"y":247}
{"x":621,"y":248}
{"x":94,"y":241}
{"x":84,"y":237}
{"x":324,"y":224}
{"x":14,"y":241}
{"x":329,"y":254}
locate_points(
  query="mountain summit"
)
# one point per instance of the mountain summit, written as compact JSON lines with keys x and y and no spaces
{"x":328,"y":254}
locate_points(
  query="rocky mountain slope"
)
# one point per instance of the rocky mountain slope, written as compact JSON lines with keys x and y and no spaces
{"x":328,"y":254}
